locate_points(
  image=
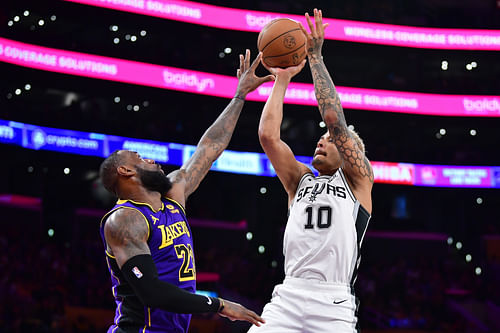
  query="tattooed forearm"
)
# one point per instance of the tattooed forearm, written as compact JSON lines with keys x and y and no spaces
{"x":326,"y":94}
{"x":211,"y":145}
{"x":332,"y":113}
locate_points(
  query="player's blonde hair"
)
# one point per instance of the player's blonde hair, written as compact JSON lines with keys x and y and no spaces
{"x":357,"y":138}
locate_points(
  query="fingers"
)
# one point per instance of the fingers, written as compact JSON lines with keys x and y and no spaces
{"x":318,"y":21}
{"x":309,"y":23}
{"x":247,"y":59}
{"x":266,"y":78}
{"x":238,"y":73}
{"x":253,"y":318}
{"x":256,"y":61}
{"x":242,"y":64}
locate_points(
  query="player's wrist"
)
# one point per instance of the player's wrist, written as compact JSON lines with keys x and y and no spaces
{"x":240,"y":96}
{"x":315,"y":57}
{"x":221,"y":305}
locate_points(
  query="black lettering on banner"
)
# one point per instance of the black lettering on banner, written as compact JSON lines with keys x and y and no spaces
{"x":323,"y":217}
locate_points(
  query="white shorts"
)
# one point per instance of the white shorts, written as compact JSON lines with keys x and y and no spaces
{"x":300,"y":305}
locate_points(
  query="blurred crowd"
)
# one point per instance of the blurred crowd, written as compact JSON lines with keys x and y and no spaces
{"x":42,"y":278}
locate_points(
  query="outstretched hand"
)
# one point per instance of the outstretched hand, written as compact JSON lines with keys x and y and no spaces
{"x":235,"y":311}
{"x":248,"y":81}
{"x":286,"y":73}
{"x":315,"y":39}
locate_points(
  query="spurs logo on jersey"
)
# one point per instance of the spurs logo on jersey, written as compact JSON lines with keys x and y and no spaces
{"x":325,"y":229}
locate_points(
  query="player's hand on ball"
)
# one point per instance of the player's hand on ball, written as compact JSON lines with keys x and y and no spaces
{"x":285,"y":73}
{"x":315,"y":39}
{"x":248,"y":81}
{"x":235,"y":311}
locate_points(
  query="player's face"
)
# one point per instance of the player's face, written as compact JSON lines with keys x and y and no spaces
{"x":151,"y":175}
{"x":326,"y":156}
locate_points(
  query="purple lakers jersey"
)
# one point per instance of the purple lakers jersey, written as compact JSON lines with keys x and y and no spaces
{"x":171,"y":244}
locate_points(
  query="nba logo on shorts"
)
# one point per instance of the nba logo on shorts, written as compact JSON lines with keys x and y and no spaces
{"x":137,"y":272}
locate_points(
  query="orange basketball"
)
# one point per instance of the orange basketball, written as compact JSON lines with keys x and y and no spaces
{"x":282,"y":43}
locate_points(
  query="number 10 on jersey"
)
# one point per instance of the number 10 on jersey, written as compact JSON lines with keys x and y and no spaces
{"x":321,"y":216}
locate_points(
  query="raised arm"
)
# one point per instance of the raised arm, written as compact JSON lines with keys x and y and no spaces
{"x":217,"y":137}
{"x":355,"y":164}
{"x":126,"y":232}
{"x":288,"y":169}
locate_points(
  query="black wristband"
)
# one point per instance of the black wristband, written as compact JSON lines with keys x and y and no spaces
{"x":140,"y":272}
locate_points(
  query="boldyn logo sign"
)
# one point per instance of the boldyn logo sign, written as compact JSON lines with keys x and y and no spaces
{"x":482,"y":105}
{"x":187,"y":81}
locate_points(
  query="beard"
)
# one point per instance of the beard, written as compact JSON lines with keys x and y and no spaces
{"x":155,"y":181}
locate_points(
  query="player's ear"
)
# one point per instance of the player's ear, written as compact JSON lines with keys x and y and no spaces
{"x":123,"y":170}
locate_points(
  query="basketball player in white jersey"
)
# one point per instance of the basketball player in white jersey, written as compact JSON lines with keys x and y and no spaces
{"x":328,"y":214}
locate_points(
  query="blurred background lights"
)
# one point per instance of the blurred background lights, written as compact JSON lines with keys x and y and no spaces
{"x":473,"y":132}
{"x":444,"y":65}
{"x":41,"y":22}
{"x":322,"y":124}
{"x":442,"y":131}
{"x":50,"y":232}
{"x":66,"y":171}
{"x":26,"y":13}
{"x":263,"y":190}
{"x":143,"y":33}
{"x":261,"y":249}
{"x":249,"y":235}
{"x":468,"y":258}
{"x":27,"y":86}
{"x":449,"y":240}
{"x":113,"y":28}
{"x":479,"y":200}
{"x":478,"y":270}
{"x":458,"y":245}
{"x":227,"y":50}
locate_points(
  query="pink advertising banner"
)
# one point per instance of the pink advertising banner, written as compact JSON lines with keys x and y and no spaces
{"x":344,"y":30}
{"x":112,"y":69}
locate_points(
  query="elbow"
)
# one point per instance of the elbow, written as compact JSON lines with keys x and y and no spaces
{"x":266,"y":138}
{"x":330,"y":118}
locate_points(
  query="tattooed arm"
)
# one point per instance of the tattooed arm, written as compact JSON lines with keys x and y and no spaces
{"x":355,"y":164}
{"x":126,"y":232}
{"x":217,"y":136}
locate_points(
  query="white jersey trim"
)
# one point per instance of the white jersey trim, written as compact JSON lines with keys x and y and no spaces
{"x":351,"y":194}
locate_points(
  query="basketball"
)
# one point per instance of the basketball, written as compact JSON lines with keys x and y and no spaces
{"x":282,"y":43}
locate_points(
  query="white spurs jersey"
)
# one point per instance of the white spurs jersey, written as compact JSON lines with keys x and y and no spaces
{"x":325,"y":228}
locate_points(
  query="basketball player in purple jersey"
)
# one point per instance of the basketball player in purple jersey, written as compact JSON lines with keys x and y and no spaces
{"x":328,"y":214}
{"x":148,"y":242}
